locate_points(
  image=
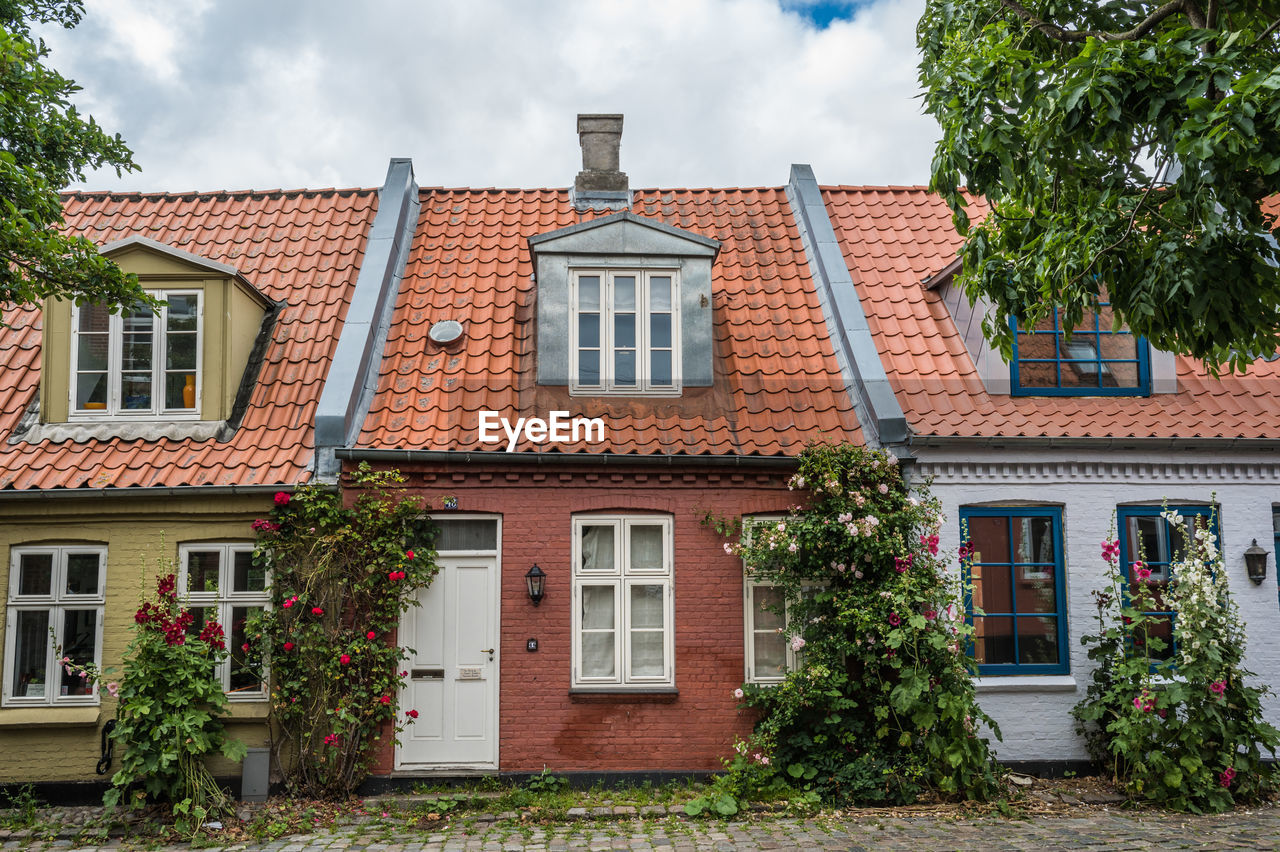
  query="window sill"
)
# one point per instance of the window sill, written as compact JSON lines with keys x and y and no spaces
{"x":1024,"y":683}
{"x":257,"y":708}
{"x":50,"y":717}
{"x":624,"y":693}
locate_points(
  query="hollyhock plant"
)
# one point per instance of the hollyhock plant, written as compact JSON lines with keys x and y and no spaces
{"x":1170,"y":703}
{"x":879,"y":699}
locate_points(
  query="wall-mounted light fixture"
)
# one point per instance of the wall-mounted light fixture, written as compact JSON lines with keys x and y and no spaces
{"x":1255,"y":563}
{"x":535,"y":578}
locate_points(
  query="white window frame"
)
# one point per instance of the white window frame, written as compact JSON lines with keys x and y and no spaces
{"x":749,"y":585}
{"x":644,"y":385}
{"x":224,"y":600}
{"x":56,"y":603}
{"x":620,"y":578}
{"x":115,"y":368}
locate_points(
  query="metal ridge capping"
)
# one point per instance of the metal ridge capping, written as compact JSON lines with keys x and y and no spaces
{"x":873,"y":397}
{"x":353,"y":374}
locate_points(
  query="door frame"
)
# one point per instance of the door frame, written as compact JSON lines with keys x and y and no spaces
{"x":496,"y":556}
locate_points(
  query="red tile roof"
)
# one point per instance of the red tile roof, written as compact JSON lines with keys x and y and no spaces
{"x":303,"y":248}
{"x":894,"y":237}
{"x":777,"y":384}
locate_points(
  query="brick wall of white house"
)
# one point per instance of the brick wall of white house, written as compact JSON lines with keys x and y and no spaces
{"x":1034,"y":711}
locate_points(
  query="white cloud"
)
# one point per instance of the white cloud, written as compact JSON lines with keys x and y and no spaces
{"x":288,"y":93}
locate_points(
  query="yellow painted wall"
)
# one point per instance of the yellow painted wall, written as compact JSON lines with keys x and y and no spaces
{"x":62,"y":744}
{"x":232,"y":317}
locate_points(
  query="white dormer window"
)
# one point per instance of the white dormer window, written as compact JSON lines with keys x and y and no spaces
{"x":624,"y":332}
{"x":136,"y":363}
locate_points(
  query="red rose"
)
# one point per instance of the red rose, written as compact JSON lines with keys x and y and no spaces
{"x":344,"y":659}
{"x":386,"y":699}
{"x":315,"y":610}
{"x":282,"y":498}
{"x":408,"y":554}
{"x":412,"y":714}
{"x":288,"y":646}
{"x":245,"y":647}
{"x":371,"y":635}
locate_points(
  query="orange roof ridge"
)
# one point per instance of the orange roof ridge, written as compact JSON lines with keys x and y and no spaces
{"x":214,"y":193}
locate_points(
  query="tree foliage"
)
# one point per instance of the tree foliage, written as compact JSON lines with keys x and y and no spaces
{"x":45,"y":144}
{"x":1125,"y":149}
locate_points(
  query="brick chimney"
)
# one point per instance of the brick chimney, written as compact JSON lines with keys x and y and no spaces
{"x":600,"y":183}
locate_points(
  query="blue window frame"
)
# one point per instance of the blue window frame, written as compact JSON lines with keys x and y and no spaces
{"x":1275,"y":526}
{"x":1016,"y":597}
{"x":1146,"y":536}
{"x":1096,"y":361}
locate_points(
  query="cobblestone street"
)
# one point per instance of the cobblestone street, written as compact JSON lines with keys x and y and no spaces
{"x":1259,"y":829}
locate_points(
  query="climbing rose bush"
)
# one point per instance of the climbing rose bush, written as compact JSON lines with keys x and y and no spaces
{"x":341,"y":577}
{"x":1178,"y":726}
{"x":881,"y":707}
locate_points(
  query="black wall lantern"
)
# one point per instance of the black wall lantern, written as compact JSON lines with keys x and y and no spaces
{"x":536,"y":578}
{"x":1255,"y":563}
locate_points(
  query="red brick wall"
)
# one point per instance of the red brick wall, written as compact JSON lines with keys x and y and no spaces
{"x":540,"y":723}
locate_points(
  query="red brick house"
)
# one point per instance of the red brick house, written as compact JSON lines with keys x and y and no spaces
{"x":668,"y":353}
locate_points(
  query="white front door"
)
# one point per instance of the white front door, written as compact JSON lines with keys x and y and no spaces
{"x":453,"y":669}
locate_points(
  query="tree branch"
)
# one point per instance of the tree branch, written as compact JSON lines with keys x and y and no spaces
{"x":1057,"y":33}
{"x":1269,"y":31}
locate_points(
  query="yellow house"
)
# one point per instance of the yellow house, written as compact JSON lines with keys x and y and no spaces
{"x":134,"y":444}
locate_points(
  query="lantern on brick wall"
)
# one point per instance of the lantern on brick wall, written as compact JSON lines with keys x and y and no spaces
{"x":1255,"y":563}
{"x":535,"y":578}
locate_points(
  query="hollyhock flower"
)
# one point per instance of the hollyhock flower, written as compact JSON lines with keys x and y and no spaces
{"x":931,"y":614}
{"x":738,"y":693}
{"x":1142,"y":575}
{"x":895,"y":619}
{"x":1218,"y":687}
{"x":282,"y":498}
{"x":1228,"y":775}
{"x":289,"y":646}
{"x":386,"y":699}
{"x":1144,"y":702}
{"x":113,"y":689}
{"x":412,"y":714}
{"x":371,"y":635}
{"x":345,"y":659}
{"x":315,"y":610}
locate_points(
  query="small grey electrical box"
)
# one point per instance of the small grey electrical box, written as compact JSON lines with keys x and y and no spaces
{"x":255,"y":776}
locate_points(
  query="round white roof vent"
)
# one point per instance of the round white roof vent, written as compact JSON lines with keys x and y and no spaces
{"x":445,"y":331}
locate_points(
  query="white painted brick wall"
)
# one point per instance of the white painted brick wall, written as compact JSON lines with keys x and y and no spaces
{"x":1037,"y":725}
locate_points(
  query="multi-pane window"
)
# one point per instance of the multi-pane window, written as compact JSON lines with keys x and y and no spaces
{"x":624,"y":331}
{"x":1095,"y":360}
{"x":1016,"y":601}
{"x":221,"y":582}
{"x":137,"y":363}
{"x":769,"y":654}
{"x":1147,"y":537}
{"x":55,"y":603}
{"x":622,"y":574}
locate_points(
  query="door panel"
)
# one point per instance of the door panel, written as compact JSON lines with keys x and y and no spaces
{"x":453,"y":669}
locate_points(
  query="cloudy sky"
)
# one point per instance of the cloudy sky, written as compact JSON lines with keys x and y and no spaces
{"x":235,"y":94}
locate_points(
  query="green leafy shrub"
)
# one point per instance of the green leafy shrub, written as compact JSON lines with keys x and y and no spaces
{"x":168,"y":717}
{"x":341,"y":576}
{"x":882,"y":707}
{"x":1184,"y":730}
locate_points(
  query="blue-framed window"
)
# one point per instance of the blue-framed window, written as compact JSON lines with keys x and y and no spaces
{"x":1095,"y":361}
{"x":1016,"y":597}
{"x":1146,"y":536}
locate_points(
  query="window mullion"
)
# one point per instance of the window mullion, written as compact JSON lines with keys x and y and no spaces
{"x":159,"y":336}
{"x":115,"y":364}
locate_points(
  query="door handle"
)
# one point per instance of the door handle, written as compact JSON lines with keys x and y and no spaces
{"x":488,"y":651}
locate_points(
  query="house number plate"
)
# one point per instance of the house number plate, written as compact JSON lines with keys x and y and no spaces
{"x":469,"y":672}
